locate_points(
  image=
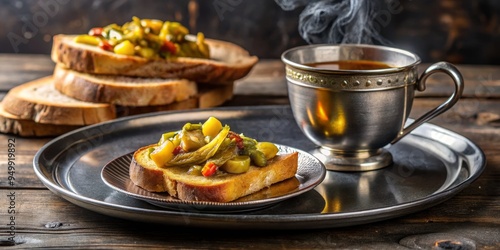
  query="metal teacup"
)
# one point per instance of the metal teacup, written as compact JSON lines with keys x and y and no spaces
{"x":354,"y":115}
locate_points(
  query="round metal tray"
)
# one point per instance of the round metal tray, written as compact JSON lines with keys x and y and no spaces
{"x":430,"y":166}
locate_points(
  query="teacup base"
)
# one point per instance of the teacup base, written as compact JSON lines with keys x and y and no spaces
{"x":353,"y":162}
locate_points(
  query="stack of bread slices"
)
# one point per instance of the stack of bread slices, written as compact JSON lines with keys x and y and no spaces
{"x":90,"y":85}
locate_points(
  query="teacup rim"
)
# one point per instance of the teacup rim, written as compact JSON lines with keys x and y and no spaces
{"x":289,"y":62}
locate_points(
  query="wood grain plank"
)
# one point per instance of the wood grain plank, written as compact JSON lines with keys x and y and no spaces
{"x":25,"y":149}
{"x":16,"y":69}
{"x":477,"y":118}
{"x":25,"y":62}
{"x":62,"y":224}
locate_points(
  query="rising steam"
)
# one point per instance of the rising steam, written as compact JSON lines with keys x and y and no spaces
{"x":337,"y":21}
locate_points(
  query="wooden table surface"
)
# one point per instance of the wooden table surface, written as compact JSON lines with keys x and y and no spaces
{"x":470,"y":219}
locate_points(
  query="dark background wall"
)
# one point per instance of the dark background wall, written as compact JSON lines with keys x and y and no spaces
{"x":459,"y":31}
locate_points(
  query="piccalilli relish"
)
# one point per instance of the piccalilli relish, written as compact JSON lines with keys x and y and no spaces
{"x":209,"y":148}
{"x":148,"y":38}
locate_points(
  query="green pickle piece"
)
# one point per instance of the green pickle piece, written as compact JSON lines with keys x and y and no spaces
{"x":237,"y":165}
{"x":191,"y":126}
{"x":167,"y":136}
{"x":150,"y":150}
{"x":202,"y":154}
{"x":227,"y":151}
{"x":192,"y":140}
{"x":195,"y":170}
{"x":258,"y":158}
{"x":249,"y":145}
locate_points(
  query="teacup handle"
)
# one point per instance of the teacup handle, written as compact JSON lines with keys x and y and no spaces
{"x":457,"y":78}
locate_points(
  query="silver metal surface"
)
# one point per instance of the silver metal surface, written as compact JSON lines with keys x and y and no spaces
{"x":430,"y":165}
{"x":310,"y":173}
{"x":352,"y":114}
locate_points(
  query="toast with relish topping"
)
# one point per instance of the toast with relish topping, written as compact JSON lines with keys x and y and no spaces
{"x":152,"y":48}
{"x":208,"y":162}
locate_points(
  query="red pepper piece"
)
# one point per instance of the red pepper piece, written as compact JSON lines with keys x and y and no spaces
{"x":209,"y":169}
{"x":96,"y":31}
{"x":169,"y":47}
{"x":105,"y":45}
{"x":237,"y":138}
{"x":177,"y":150}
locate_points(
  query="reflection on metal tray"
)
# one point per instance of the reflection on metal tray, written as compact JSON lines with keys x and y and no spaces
{"x":431,"y":165}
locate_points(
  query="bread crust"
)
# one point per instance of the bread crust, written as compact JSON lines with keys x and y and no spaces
{"x":228,"y":62}
{"x":214,"y":96}
{"x":220,"y":188}
{"x":11,"y":124}
{"x":33,"y":115}
{"x":119,"y":90}
{"x":206,"y":98}
{"x":149,"y":178}
{"x":39,"y":101}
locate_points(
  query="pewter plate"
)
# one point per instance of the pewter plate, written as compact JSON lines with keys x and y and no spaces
{"x":431,"y":165}
{"x":310,"y":173}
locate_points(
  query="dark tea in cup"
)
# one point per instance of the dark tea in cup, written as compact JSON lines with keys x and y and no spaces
{"x":350,"y":65}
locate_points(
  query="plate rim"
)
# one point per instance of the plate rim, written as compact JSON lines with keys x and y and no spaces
{"x":255,"y":221}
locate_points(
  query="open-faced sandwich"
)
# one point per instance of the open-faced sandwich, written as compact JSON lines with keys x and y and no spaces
{"x":209,"y":162}
{"x":152,"y":48}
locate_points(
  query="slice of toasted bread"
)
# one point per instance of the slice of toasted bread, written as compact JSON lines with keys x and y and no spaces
{"x":207,"y":97}
{"x":11,"y":124}
{"x":214,"y":96}
{"x":39,"y":101}
{"x":228,"y":62}
{"x":122,"y":90}
{"x":219,"y":188}
{"x":36,"y":108}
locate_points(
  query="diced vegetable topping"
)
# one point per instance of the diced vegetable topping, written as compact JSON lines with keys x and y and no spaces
{"x":237,"y":165}
{"x":211,"y":127}
{"x":148,"y":38}
{"x":96,"y":31}
{"x":88,"y":39}
{"x":209,"y":148}
{"x":163,"y":153}
{"x":209,"y":169}
{"x":124,"y":48}
{"x":269,"y":149}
